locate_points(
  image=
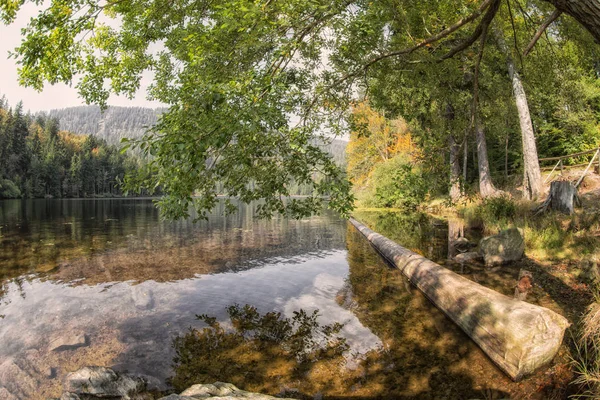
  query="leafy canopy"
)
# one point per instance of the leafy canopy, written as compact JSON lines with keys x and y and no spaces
{"x":251,"y":85}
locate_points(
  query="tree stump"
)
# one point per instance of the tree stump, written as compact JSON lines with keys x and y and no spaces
{"x":563,"y":197}
{"x":524,"y":284}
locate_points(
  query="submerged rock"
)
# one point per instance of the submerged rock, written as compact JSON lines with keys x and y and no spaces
{"x":506,"y":246}
{"x":217,"y":390}
{"x":17,"y":381}
{"x":103,"y":382}
{"x":463,"y":244}
{"x":142,"y":298}
{"x":91,"y":383}
{"x":6,"y":395}
{"x":468,"y":257}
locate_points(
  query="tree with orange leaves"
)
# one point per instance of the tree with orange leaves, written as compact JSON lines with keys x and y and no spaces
{"x":374,"y":139}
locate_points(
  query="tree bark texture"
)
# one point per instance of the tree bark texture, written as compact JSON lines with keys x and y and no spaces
{"x":532,"y":176}
{"x":586,"y":12}
{"x":519,"y":337}
{"x":455,"y":191}
{"x":562,"y":197}
{"x":486,"y":187}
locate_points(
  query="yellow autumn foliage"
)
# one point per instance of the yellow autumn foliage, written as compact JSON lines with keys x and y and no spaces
{"x":375,"y":139}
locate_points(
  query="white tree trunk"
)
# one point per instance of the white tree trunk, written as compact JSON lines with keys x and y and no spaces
{"x":532,"y":177}
{"x":486,"y":187}
{"x":455,"y":190}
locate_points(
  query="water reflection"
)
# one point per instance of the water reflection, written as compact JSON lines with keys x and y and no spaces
{"x":114,"y":285}
{"x":104,"y":282}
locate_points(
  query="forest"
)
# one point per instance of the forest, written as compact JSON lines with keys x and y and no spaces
{"x":39,"y":160}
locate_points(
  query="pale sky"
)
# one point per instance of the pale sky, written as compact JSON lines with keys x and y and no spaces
{"x":57,"y":96}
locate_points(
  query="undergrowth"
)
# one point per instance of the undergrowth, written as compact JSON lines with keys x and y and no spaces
{"x":549,"y":236}
{"x":586,"y":355}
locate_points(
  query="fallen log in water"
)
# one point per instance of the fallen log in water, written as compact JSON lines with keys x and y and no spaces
{"x":518,"y":336}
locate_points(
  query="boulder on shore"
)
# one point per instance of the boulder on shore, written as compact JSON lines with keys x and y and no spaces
{"x":508,"y":245}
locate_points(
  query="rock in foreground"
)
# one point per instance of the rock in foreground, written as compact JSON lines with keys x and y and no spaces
{"x":506,"y":246}
{"x":217,"y":391}
{"x":101,"y":382}
{"x":92,"y":383}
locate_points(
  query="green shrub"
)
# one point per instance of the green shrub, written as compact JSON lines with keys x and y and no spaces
{"x":9,"y":190}
{"x":398,"y":183}
{"x":497,"y":208}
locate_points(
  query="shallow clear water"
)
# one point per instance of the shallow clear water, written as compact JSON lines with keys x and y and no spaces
{"x":114,"y":284}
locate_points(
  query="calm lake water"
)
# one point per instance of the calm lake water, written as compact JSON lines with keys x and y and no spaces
{"x":105,"y":282}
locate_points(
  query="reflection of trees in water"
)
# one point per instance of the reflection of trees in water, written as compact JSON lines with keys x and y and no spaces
{"x":262,"y":352}
{"x":456,"y":230}
{"x":116,"y":240}
{"x":423,"y":356}
{"x":416,"y":231}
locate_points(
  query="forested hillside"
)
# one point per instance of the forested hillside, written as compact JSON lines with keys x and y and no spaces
{"x":38,"y":159}
{"x":131,"y":122}
{"x":111,"y":125}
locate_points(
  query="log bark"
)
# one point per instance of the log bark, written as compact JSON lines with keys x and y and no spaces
{"x":586,"y":12}
{"x":532,"y":178}
{"x":518,"y":337}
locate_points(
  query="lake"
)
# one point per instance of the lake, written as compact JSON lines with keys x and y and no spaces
{"x":106,"y":282}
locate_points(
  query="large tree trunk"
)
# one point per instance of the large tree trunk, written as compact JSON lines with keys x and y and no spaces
{"x":455,"y":191}
{"x":519,"y":337}
{"x":532,"y":179}
{"x":586,"y":12}
{"x":486,"y":187}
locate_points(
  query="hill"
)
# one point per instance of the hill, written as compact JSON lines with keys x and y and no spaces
{"x":112,"y":125}
{"x":132,"y":122}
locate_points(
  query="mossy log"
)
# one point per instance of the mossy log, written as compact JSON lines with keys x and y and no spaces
{"x":519,"y":337}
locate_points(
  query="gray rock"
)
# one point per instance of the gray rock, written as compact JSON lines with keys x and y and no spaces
{"x":462,"y":244}
{"x":221,"y":391}
{"x":142,"y":298}
{"x":468,"y":257}
{"x":506,"y":246}
{"x":103,"y":382}
{"x":6,"y":395}
{"x":69,"y":341}
{"x":177,"y":397}
{"x":69,"y":396}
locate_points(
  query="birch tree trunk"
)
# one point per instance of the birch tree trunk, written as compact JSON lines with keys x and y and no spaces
{"x":532,"y":177}
{"x":486,"y":187}
{"x":455,"y":191}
